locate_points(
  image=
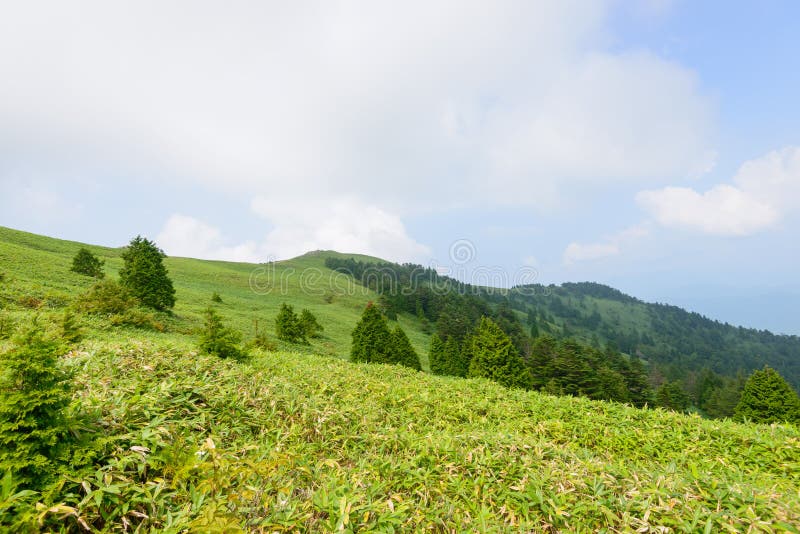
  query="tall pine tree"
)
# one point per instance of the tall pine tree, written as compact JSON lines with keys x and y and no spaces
{"x":494,"y":356}
{"x":145,"y":276}
{"x":401,"y":350}
{"x":371,"y":338}
{"x":436,"y":356}
{"x":447,"y":357}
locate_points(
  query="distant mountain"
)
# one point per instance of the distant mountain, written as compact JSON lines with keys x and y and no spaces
{"x":675,"y":342}
{"x":671,"y":337}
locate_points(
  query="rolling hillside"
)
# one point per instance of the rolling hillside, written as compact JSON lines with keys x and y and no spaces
{"x":299,"y":439}
{"x":36,"y":276}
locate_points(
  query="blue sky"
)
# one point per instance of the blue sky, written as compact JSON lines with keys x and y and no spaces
{"x":650,"y":145}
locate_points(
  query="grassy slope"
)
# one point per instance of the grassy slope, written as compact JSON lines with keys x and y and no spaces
{"x":39,"y":266}
{"x":291,"y":440}
{"x":309,"y":442}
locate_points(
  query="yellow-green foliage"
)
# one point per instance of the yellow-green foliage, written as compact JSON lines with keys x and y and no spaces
{"x":175,"y":441}
{"x":38,"y":276}
{"x":291,"y":441}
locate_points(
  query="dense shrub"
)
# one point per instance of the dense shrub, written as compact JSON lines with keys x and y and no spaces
{"x":137,"y":318}
{"x":70,"y":329}
{"x":219,"y":340}
{"x":106,"y":297}
{"x":215,"y":297}
{"x":87,"y":264}
{"x":34,"y":393}
{"x":7,"y":326}
{"x":145,"y":276}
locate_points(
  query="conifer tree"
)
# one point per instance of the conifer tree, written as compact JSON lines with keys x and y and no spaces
{"x":87,"y":264}
{"x":34,"y":394}
{"x":723,"y":400}
{"x":448,"y":357}
{"x":145,"y":276}
{"x":219,"y":340}
{"x":610,"y":386}
{"x":672,"y":397}
{"x":310,"y":325}
{"x":70,"y":330}
{"x":401,"y":350}
{"x":371,"y":338}
{"x":637,"y":383}
{"x":768,"y":398}
{"x":288,"y":326}
{"x":540,"y":361}
{"x":436,"y":356}
{"x":494,"y":356}
{"x":457,"y":357}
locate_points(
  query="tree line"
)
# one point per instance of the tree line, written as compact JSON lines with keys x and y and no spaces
{"x":691,"y":363}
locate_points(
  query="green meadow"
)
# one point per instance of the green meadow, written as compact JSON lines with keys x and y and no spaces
{"x":300,"y":439}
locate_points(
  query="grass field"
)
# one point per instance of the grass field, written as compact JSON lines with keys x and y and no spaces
{"x":36,"y":273}
{"x":301,"y":440}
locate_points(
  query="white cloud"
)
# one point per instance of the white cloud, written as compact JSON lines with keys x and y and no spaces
{"x":188,"y":237}
{"x":722,"y":210}
{"x":339,"y":223}
{"x":610,"y":246}
{"x":343,"y":224}
{"x":763,"y":191}
{"x":427,"y":102}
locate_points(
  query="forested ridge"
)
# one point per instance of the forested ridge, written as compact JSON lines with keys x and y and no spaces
{"x":700,"y":361}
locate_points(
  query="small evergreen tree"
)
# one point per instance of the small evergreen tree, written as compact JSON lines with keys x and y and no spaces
{"x":219,"y":340}
{"x":288,"y":326}
{"x":87,"y":264}
{"x":637,"y":383}
{"x":401,"y":350}
{"x":7,"y":325}
{"x":768,"y":398}
{"x":457,"y":357}
{"x":723,"y":400}
{"x":34,"y":393}
{"x":494,"y":356}
{"x":672,"y":397}
{"x":70,"y":330}
{"x":371,"y":338}
{"x":447,"y":358}
{"x":610,"y":386}
{"x":436,"y":357}
{"x":310,"y":325}
{"x":145,"y":275}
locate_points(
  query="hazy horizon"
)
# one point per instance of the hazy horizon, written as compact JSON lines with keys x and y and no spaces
{"x":650,"y":146}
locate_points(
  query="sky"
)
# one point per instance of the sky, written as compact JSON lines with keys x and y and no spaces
{"x":651,"y":145}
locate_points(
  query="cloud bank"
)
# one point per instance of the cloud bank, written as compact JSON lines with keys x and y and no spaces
{"x":398,"y":107}
{"x":764,"y":190}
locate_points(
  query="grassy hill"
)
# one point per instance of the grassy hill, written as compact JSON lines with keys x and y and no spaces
{"x":37,"y":277}
{"x":299,"y":439}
